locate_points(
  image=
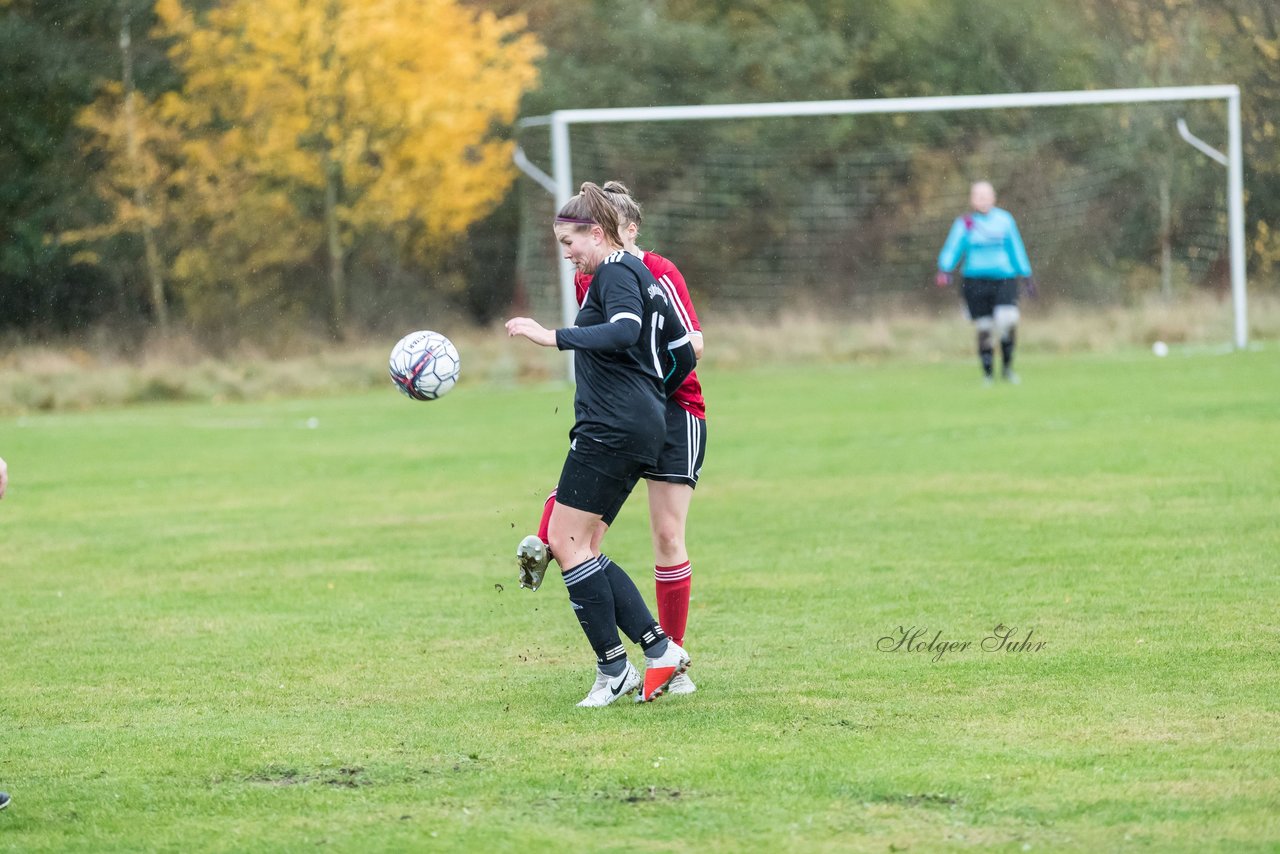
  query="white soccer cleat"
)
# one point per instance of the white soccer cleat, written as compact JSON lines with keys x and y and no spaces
{"x":659,"y":672}
{"x":610,"y":688}
{"x":533,"y":556}
{"x":682,"y":684}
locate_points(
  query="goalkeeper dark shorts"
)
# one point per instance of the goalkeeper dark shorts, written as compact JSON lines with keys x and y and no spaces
{"x":597,"y":480}
{"x":981,"y":296}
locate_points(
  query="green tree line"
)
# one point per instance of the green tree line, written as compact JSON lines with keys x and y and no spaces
{"x":237,"y":168}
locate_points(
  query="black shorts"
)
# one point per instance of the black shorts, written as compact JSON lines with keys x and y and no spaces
{"x":981,"y":296}
{"x":683,"y":450}
{"x":596,"y":480}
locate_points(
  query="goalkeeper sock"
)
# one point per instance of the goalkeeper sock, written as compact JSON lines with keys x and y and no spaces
{"x":592,"y":601}
{"x":672,"y":584}
{"x":1006,"y":350}
{"x":545,"y":523}
{"x":985,"y":352}
{"x":633,"y":615}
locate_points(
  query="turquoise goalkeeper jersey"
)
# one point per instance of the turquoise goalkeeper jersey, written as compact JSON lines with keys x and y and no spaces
{"x":990,"y":245}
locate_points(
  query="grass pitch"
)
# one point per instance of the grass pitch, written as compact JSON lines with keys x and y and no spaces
{"x":291,"y":625}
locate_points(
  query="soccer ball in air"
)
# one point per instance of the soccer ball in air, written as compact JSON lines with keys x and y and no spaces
{"x":424,"y":365}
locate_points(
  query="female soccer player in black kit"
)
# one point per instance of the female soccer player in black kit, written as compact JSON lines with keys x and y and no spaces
{"x":631,"y":352}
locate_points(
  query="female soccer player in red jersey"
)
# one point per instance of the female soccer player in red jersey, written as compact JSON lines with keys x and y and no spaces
{"x":632,"y":353}
{"x":671,"y":482}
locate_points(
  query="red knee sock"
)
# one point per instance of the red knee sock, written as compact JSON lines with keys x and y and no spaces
{"x":547,"y":507}
{"x":673,"y":583}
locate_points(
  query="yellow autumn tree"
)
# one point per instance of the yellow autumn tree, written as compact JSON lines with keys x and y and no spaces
{"x":308,"y":125}
{"x":139,"y":151}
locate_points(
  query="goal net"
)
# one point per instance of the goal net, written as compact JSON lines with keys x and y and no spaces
{"x":844,"y":215}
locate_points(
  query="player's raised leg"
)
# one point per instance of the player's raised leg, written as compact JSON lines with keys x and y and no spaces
{"x":533,"y":555}
{"x":534,"y":552}
{"x":544,"y":524}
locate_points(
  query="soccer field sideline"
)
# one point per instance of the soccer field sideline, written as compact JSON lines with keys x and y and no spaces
{"x":275,"y":625}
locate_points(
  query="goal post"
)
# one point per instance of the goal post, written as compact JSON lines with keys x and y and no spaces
{"x":562,"y":179}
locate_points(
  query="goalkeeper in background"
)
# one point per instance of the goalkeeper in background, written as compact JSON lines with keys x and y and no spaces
{"x":994,"y":260}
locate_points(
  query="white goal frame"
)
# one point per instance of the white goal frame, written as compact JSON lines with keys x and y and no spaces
{"x":560,"y":182}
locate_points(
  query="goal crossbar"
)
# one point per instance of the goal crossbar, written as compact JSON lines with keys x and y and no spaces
{"x":560,"y":121}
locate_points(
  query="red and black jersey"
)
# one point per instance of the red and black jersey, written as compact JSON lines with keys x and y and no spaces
{"x":622,"y":338}
{"x":689,"y":395}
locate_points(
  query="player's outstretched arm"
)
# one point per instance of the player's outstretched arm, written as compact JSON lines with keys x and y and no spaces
{"x":531,"y":329}
{"x":618,"y":334}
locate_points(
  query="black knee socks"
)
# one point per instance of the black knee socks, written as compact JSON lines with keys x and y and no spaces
{"x":592,"y":599}
{"x":633,"y":615}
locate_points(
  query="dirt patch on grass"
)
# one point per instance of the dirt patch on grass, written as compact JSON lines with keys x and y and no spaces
{"x":347,"y":777}
{"x":641,"y":794}
{"x":922,"y":799}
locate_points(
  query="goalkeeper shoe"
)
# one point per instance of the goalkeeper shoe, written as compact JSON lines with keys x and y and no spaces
{"x":609,"y":688}
{"x":4,"y":800}
{"x":533,"y":557}
{"x":660,"y":671}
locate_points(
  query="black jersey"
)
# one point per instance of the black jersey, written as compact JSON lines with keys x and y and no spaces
{"x":621,"y":340}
